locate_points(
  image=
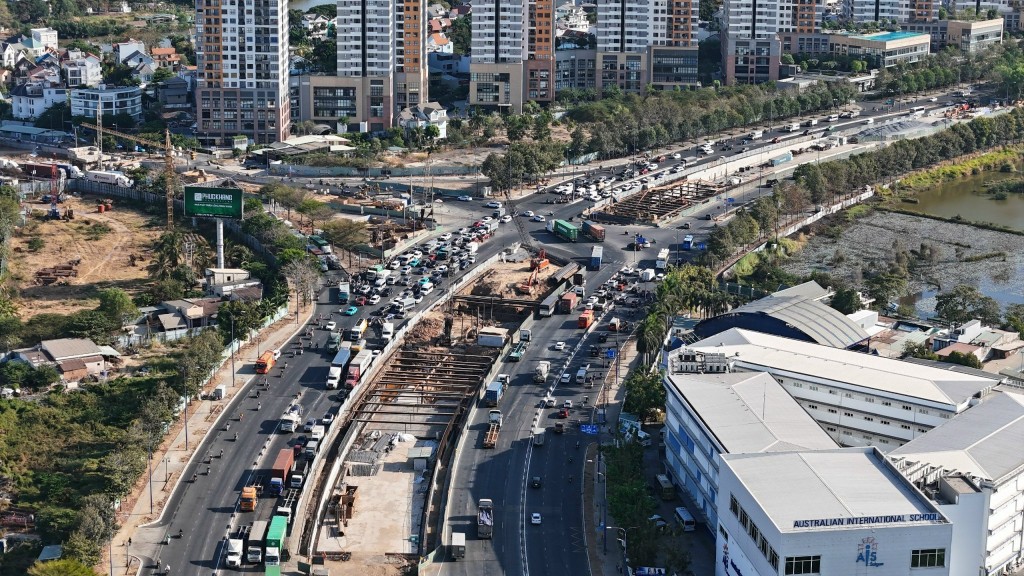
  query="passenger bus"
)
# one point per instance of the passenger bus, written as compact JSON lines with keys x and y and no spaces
{"x":917,"y":111}
{"x":265,"y":363}
{"x":688,"y":242}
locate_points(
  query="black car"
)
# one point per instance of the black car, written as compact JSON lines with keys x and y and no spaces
{"x":603,"y":337}
{"x":535,"y":482}
{"x":771,"y":182}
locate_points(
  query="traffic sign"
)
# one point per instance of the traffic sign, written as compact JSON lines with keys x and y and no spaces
{"x":610,"y":353}
{"x":588,"y":428}
{"x":730,"y":200}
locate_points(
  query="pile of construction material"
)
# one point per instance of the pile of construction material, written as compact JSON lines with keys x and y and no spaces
{"x":58,"y":274}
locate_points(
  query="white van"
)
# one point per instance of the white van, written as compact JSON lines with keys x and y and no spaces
{"x":685,"y":519}
{"x":427,"y":288}
{"x":581,"y":374}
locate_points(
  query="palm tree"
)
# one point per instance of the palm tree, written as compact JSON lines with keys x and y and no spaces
{"x":168,"y":255}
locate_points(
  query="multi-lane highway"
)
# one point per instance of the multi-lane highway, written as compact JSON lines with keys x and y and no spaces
{"x":205,"y":510}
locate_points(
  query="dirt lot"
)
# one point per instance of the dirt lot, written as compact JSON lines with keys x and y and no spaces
{"x":102,"y":242}
{"x":503,"y":278}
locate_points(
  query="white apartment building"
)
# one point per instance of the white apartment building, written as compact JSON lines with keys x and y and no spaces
{"x":498,"y":50}
{"x":242,"y":71}
{"x":114,"y":100}
{"x":859,"y":399}
{"x":829,"y":513}
{"x":647,"y":42}
{"x":45,"y":38}
{"x":83,"y":70}
{"x":711,"y":414}
{"x":973,"y":467}
{"x":903,"y":11}
{"x":757,"y":32}
{"x":631,"y":26}
{"x":29,"y":101}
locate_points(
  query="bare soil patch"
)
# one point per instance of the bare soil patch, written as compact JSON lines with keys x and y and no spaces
{"x":102,"y":243}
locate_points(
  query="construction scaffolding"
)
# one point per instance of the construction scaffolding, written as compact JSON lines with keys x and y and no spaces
{"x":657,"y":204}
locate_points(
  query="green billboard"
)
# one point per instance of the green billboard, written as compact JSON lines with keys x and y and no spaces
{"x":215,"y":202}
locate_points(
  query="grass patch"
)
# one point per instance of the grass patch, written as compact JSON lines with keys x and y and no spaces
{"x":960,"y":168}
{"x":745,"y":266}
{"x":986,"y":256}
{"x":858,"y":211}
{"x":97,"y":231}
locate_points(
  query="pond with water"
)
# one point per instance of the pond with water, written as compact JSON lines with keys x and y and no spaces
{"x":968,"y":198}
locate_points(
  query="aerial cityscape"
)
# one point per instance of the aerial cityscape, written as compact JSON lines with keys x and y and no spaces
{"x":521,"y":287}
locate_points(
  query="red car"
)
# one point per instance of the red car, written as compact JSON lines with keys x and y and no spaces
{"x":563,"y":413}
{"x":361,"y":301}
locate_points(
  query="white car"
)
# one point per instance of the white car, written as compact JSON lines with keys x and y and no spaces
{"x":493,"y":204}
{"x":445,"y":237}
{"x":331,"y":326}
{"x":406,"y":270}
{"x":375,"y":299}
{"x":538,"y":218}
{"x":394,"y":265}
{"x":528,"y":213}
{"x":486,"y":219}
{"x":933,"y":99}
{"x":535,"y":518}
{"x":277,"y":354}
{"x":567,"y":404}
{"x":441,"y":269}
{"x":677,"y":156}
{"x":465,"y":198}
{"x":559,"y":346}
{"x":566,"y":378}
{"x":505,"y":219}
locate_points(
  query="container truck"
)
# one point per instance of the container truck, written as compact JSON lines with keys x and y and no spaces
{"x":458,"y":546}
{"x":358,"y":368}
{"x":540,"y":373}
{"x":257,"y":536}
{"x":282,"y":467}
{"x":564,"y":230}
{"x":538,"y":436}
{"x":662,"y":262}
{"x":387,"y":331}
{"x":485,"y":518}
{"x":782,"y":159}
{"x":647,"y":275}
{"x":250,"y":497}
{"x":794,"y":127}
{"x":567,"y":303}
{"x":46,"y":170}
{"x":109,"y":177}
{"x":596,"y":255}
{"x":344,"y":292}
{"x":275,"y":542}
{"x":585,"y":319}
{"x":493,"y":428}
{"x":492,"y":396}
{"x":594,"y":231}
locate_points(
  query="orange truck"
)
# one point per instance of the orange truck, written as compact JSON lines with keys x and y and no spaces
{"x":249,"y":499}
{"x":585,"y":319}
{"x":265,"y":363}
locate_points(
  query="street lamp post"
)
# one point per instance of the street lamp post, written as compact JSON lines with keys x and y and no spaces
{"x":150,"y":462}
{"x":233,"y":348}
{"x":167,"y":474}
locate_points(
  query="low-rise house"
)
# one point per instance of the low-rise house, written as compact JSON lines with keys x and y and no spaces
{"x":440,"y":43}
{"x":423,"y":115}
{"x":29,"y":101}
{"x":75,"y":358}
{"x":173,"y":92}
{"x":226,"y":281}
{"x":316,"y":26}
{"x":123,"y":50}
{"x":166,"y":58}
{"x":10,"y":51}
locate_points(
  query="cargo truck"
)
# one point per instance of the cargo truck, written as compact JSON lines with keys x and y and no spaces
{"x":540,"y":373}
{"x":334,"y":342}
{"x":585,"y":319}
{"x":299,"y":475}
{"x":567,"y":303}
{"x":538,"y":436}
{"x":647,"y":275}
{"x":563,"y":230}
{"x":458,"y":546}
{"x":291,"y":418}
{"x":250,"y":497}
{"x":594,"y":231}
{"x":344,"y":292}
{"x":109,"y":177}
{"x":485,"y":518}
{"x":257,"y":536}
{"x":275,"y":542}
{"x":596,"y":256}
{"x":233,"y":553}
{"x":492,"y":396}
{"x":279,"y":472}
{"x":782,"y":159}
{"x":358,"y":368}
{"x":493,"y":428}
{"x":387,"y":331}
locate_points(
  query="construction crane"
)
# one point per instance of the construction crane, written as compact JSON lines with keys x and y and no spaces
{"x":169,"y":173}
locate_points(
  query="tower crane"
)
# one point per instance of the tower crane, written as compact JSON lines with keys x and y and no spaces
{"x":169,"y":174}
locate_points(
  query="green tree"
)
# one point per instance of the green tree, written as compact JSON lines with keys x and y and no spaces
{"x":161,"y":74}
{"x":846,"y":301}
{"x":965,"y":303}
{"x":55,"y":117}
{"x":117,"y":305}
{"x":461,"y":35}
{"x":345,"y":234}
{"x":240,"y":316}
{"x":645,"y":393}
{"x":919,"y":350}
{"x":92,"y":324}
{"x":964,"y":359}
{"x":62,"y":567}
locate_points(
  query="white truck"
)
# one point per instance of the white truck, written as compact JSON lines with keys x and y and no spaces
{"x":647,"y":275}
{"x":472,"y":247}
{"x":109,"y":177}
{"x":540,"y":373}
{"x":333,"y":378}
{"x":756,"y":134}
{"x":794,"y":127}
{"x":387,"y":331}
{"x":233,"y":553}
{"x":291,"y":419}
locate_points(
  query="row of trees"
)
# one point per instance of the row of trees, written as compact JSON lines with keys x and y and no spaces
{"x":685,"y":288}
